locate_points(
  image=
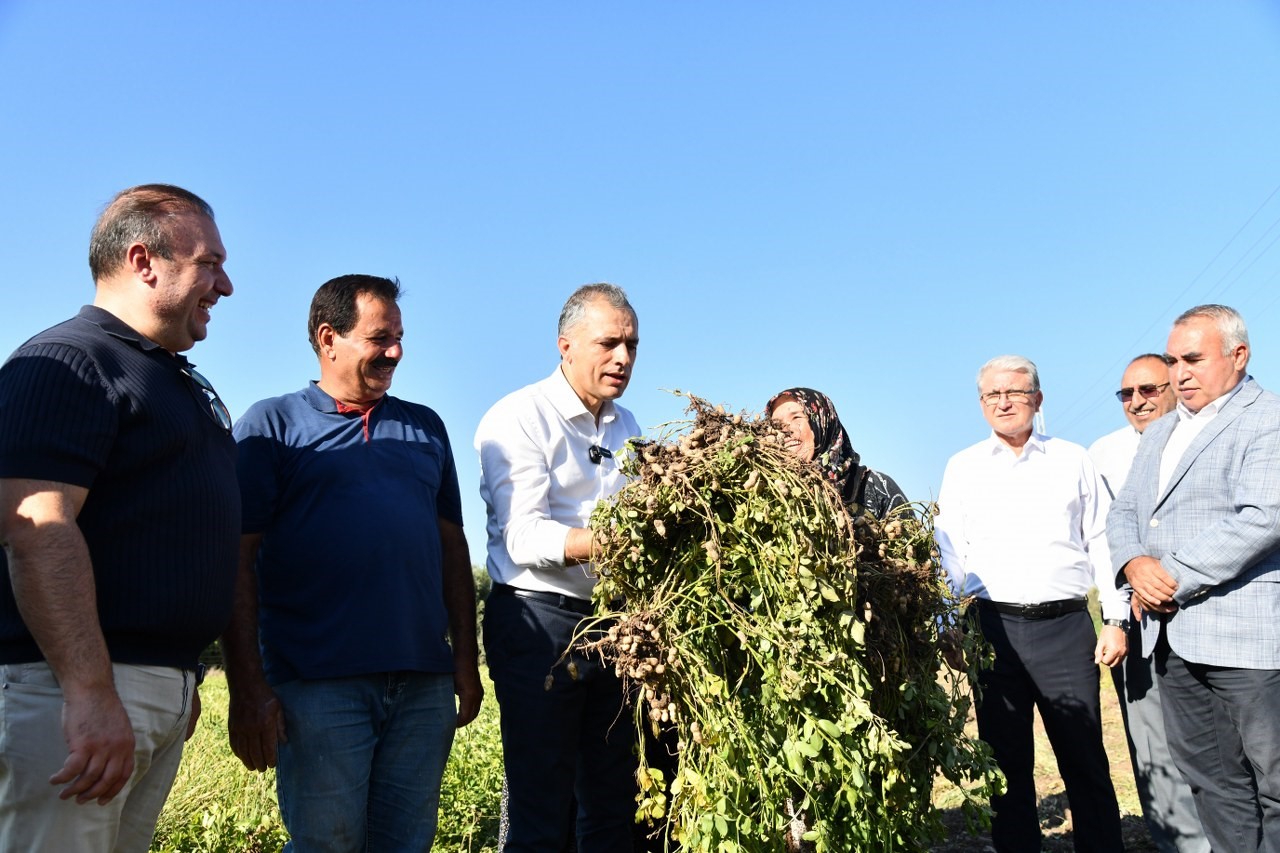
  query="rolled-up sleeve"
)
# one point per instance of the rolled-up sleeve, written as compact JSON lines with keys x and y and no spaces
{"x":515,"y":481}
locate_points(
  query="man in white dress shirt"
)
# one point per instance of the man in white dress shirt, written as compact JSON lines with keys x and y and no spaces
{"x":1021,"y":527}
{"x":548,"y":455}
{"x":1146,"y":394}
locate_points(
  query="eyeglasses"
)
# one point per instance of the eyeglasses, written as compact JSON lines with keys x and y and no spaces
{"x":216,"y":409}
{"x":595,"y":453}
{"x":992,"y":398}
{"x":1124,"y":395}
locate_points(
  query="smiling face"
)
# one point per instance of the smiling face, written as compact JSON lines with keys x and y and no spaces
{"x":185,"y":288}
{"x":356,"y":368}
{"x":790,"y":415}
{"x":1200,"y":370}
{"x":598,"y":352}
{"x":1141,"y":410}
{"x":1011,"y":418}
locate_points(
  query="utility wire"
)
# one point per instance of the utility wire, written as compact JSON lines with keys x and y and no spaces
{"x":1092,"y":399}
{"x":1256,"y":258}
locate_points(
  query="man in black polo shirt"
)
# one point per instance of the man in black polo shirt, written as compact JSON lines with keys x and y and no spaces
{"x":120,"y":520}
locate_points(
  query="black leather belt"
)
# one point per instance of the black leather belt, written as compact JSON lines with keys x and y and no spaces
{"x":555,"y":599}
{"x":1043,"y":610}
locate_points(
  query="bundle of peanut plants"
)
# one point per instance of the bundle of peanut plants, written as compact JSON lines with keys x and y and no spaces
{"x":787,"y":648}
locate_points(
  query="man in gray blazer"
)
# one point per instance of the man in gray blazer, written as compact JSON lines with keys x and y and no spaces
{"x":1196,"y":532}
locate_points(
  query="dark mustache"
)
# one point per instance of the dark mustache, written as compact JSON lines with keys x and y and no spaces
{"x":380,"y":363}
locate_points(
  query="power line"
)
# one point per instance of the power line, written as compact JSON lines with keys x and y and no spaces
{"x":1256,"y":258}
{"x":1089,"y":393}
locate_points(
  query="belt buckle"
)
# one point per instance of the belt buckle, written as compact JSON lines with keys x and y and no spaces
{"x":1035,"y":611}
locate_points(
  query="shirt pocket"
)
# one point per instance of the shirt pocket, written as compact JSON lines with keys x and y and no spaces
{"x":425,"y":461}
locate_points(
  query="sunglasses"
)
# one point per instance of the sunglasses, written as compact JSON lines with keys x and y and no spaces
{"x":1124,"y":395}
{"x":214,"y":406}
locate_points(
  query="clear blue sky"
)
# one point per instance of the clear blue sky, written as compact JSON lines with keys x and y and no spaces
{"x":869,"y":199}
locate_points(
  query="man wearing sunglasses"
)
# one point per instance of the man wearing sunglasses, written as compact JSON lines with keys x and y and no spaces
{"x":1146,"y":394}
{"x":119,"y":517}
{"x":1195,"y":530}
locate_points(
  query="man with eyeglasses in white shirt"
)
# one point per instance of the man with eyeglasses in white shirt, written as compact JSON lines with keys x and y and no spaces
{"x":1021,"y":528}
{"x":1195,"y":530}
{"x":548,"y":455}
{"x":1146,"y":394}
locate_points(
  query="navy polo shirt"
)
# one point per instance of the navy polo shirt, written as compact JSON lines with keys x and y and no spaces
{"x":350,"y":567}
{"x":92,"y":403}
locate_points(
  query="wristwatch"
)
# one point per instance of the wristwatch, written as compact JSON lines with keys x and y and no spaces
{"x":1122,"y":624}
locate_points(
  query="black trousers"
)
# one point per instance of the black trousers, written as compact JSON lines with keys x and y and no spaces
{"x":1046,"y":664}
{"x":1224,"y":734}
{"x":568,"y":742}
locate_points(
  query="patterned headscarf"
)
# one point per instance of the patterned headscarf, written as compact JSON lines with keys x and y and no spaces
{"x":832,"y":451}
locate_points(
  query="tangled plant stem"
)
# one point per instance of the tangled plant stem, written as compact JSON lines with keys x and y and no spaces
{"x":791,"y":647}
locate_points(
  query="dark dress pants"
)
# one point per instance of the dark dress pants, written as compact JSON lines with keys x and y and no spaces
{"x":1224,"y":733}
{"x":1167,"y":805}
{"x":573,"y":740}
{"x":1046,"y":664}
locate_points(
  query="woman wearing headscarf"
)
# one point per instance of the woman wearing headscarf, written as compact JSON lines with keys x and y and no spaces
{"x":816,"y":435}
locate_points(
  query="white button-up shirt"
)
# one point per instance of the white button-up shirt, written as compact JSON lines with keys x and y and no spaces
{"x":1113,"y":456}
{"x":538,"y":481}
{"x":1026,"y":528}
{"x":1190,"y":425}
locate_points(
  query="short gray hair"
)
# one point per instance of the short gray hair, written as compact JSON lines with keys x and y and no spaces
{"x":575,"y":308}
{"x":143,"y":214}
{"x":1228,"y":321}
{"x":1014,"y":363}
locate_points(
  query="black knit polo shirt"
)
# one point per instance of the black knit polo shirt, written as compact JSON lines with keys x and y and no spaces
{"x":92,"y":403}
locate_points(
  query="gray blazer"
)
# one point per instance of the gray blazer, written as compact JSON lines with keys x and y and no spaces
{"x":1216,"y":531}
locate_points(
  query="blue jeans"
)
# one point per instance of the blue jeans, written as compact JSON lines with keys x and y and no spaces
{"x":362,"y":767}
{"x":572,"y":740}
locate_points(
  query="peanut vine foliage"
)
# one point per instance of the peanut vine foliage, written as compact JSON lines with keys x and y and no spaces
{"x":790,"y":649}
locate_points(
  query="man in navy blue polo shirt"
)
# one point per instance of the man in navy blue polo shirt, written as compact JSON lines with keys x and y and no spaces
{"x":119,"y":518}
{"x":353,"y":571}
